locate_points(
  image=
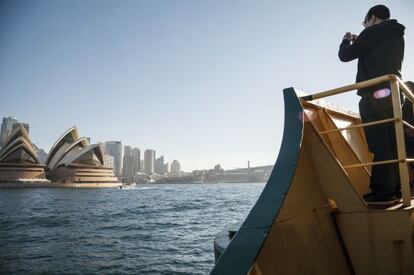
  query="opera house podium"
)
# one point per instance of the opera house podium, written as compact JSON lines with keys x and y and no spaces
{"x":19,"y":164}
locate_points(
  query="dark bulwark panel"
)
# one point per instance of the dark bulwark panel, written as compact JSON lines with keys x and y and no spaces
{"x":241,"y":254}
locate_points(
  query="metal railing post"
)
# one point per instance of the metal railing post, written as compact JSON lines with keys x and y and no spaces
{"x":399,"y":136}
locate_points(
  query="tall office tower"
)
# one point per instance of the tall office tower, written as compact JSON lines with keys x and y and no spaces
{"x":127,"y":151}
{"x":136,"y":155}
{"x":149,"y":161}
{"x":128,"y":168}
{"x":18,"y":124}
{"x":175,"y":166}
{"x":42,"y":155}
{"x":108,"y":161}
{"x":6,"y":129}
{"x":141,"y":166}
{"x":166,"y":168}
{"x":114,"y":148}
{"x":159,"y":165}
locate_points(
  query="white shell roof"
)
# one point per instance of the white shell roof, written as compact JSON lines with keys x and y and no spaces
{"x":73,"y":157}
{"x":72,"y":132}
{"x":18,"y":143}
{"x":65,"y":150}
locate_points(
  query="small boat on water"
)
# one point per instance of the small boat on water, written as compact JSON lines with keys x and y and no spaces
{"x":311,"y":217}
{"x":128,"y":186}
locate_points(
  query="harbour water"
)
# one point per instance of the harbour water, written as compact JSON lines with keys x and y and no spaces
{"x":152,"y":229}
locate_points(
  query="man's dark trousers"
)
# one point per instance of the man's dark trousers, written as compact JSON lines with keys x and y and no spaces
{"x":381,"y":142}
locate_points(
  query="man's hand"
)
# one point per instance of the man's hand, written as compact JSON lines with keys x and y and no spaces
{"x":347,"y":36}
{"x":350,"y":37}
{"x":354,"y":37}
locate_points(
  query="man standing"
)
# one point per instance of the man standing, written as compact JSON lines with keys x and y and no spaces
{"x":380,"y":51}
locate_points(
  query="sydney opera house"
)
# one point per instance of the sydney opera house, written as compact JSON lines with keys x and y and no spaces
{"x":19,"y":164}
{"x":72,"y":162}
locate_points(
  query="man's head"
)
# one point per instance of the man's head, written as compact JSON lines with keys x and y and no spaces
{"x":376,"y":15}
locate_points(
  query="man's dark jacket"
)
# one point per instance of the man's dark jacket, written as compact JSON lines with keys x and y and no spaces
{"x":380,"y":51}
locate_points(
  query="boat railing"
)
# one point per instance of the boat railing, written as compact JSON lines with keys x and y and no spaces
{"x":397,"y":86}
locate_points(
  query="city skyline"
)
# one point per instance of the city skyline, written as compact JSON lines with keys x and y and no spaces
{"x":125,"y":162}
{"x":128,"y":150}
{"x":199,"y":81}
{"x":112,"y":149}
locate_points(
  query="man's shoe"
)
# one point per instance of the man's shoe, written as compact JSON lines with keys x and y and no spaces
{"x":370,"y":198}
{"x":367,"y":195}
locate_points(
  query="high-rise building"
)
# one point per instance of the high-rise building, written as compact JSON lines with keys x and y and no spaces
{"x":149,"y":161}
{"x":159,"y":165}
{"x":127,"y":151}
{"x":114,"y":148}
{"x":175,"y":166}
{"x":167,"y":168}
{"x":127,"y":164}
{"x":141,"y":166}
{"x":42,"y":155}
{"x":128,"y":168}
{"x":136,"y":155}
{"x":108,"y":161}
{"x":6,"y":129}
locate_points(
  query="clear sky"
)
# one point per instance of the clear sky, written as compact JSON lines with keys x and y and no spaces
{"x":198,"y":81}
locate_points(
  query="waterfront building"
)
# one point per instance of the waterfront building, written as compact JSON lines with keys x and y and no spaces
{"x":136,"y":155}
{"x":73,"y":162}
{"x":6,"y":129}
{"x":175,"y":166}
{"x":127,"y":151}
{"x":19,"y":163}
{"x":149,"y":161}
{"x":159,"y":165}
{"x":109,"y":161}
{"x":218,"y":169}
{"x":114,"y":148}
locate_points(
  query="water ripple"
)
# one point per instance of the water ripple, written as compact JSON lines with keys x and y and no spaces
{"x":155,"y":229}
